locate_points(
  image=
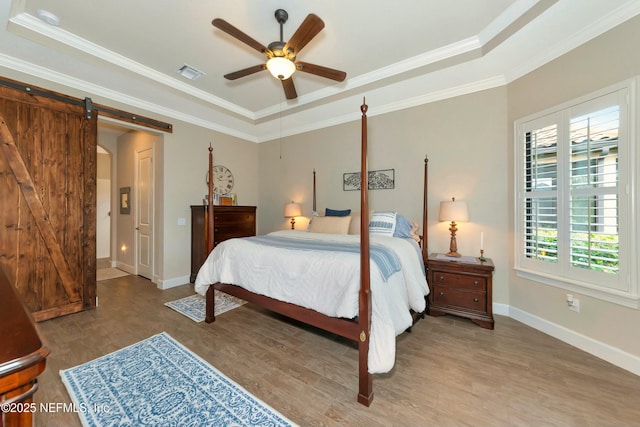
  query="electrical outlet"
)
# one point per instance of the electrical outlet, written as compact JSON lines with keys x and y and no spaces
{"x":573,"y":303}
{"x":575,"y":306}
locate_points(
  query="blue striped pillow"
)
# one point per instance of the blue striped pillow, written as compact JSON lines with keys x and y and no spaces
{"x":383,"y":223}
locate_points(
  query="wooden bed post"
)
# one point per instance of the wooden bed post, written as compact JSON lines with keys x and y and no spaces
{"x":425,"y":235}
{"x":365,"y":392}
{"x":209,"y":208}
{"x":209,"y":240}
{"x":314,"y":190}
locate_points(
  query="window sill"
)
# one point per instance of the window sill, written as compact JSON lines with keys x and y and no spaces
{"x":610,"y":295}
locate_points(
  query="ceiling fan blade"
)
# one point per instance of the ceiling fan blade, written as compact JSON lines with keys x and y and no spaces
{"x":223,"y":25}
{"x":289,"y":88}
{"x":321,"y":71}
{"x":245,"y":72}
{"x":309,"y":28}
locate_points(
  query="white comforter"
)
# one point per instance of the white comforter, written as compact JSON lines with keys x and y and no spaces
{"x":327,"y":282}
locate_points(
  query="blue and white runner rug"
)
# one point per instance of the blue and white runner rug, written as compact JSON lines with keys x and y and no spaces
{"x":159,"y":382}
{"x":194,"y":306}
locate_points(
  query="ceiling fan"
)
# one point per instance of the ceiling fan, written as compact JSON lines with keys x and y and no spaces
{"x":281,"y":61}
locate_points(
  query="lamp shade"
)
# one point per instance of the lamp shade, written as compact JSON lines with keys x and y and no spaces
{"x":281,"y":68}
{"x":454,"y":211}
{"x":292,"y":209}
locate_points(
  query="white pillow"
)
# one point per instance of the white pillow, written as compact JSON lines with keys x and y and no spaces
{"x":383,"y":223}
{"x":330,"y":224}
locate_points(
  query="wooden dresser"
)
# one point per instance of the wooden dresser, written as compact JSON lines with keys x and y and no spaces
{"x":22,"y":359}
{"x":461,"y":288}
{"x":230,"y":222}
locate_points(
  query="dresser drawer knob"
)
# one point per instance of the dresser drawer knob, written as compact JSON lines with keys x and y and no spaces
{"x":441,"y":293}
{"x":215,"y":229}
{"x":475,"y":282}
{"x":441,"y":278}
{"x":476,"y":300}
{"x":215,"y":217}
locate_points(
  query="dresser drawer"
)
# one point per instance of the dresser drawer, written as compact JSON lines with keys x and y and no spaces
{"x":460,"y":281}
{"x":237,"y":230}
{"x":234,"y":218}
{"x":223,"y":233}
{"x":464,"y":299}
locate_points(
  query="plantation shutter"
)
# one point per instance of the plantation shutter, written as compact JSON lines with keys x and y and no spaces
{"x":541,"y":193}
{"x":593,"y":187}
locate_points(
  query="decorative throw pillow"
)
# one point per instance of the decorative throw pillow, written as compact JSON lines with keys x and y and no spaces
{"x":354,"y":228}
{"x":337,"y":212}
{"x":403,"y":227}
{"x":313,"y":215}
{"x":414,"y":232}
{"x":383,"y":223}
{"x":330,"y":224}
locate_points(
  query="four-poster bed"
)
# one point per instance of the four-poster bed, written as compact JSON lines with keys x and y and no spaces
{"x":356,"y":326}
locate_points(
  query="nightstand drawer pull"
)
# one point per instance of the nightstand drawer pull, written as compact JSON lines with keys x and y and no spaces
{"x":441,"y":294}
{"x":475,"y":283}
{"x":441,"y":278}
{"x":476,"y":300}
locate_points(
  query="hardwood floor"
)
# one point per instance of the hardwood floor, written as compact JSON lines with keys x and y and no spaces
{"x":449,"y":371}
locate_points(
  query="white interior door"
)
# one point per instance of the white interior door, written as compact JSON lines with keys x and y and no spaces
{"x":144,"y":212}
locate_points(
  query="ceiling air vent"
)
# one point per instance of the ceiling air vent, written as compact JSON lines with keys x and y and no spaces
{"x":189,"y":72}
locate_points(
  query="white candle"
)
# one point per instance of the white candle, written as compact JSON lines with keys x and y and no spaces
{"x":481,"y":240}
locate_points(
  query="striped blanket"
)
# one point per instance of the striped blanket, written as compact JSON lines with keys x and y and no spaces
{"x":385,"y":259}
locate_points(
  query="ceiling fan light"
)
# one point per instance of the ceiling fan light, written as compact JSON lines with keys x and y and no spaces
{"x":281,"y":68}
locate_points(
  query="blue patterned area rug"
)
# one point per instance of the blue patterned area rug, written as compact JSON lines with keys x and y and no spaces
{"x":194,"y":306}
{"x":159,"y":382}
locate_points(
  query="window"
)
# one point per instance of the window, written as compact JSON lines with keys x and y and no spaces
{"x":574,"y":214}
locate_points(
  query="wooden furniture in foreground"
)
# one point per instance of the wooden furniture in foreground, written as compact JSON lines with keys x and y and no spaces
{"x":358,"y":329}
{"x":22,"y":359}
{"x":230,"y":222}
{"x":461,"y":288}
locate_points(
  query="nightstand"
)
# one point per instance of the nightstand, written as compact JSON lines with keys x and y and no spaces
{"x":461,"y":287}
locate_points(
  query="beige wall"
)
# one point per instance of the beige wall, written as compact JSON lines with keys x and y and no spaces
{"x":128,"y":144}
{"x":185,"y":167}
{"x":465,"y":141}
{"x":611,"y":58}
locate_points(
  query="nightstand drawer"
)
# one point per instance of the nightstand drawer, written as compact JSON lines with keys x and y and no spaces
{"x":453,"y":297}
{"x":460,"y":281}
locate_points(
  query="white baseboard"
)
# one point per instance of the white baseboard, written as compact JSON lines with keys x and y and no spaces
{"x":599,"y":349}
{"x":172,"y":283}
{"x":125,"y":267}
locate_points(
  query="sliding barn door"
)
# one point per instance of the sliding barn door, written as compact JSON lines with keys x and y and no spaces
{"x":47,"y":192}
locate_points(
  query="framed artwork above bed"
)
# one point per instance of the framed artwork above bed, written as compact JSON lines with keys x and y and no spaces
{"x":383,"y":179}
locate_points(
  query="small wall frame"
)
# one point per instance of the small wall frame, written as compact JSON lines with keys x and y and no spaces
{"x":125,"y":200}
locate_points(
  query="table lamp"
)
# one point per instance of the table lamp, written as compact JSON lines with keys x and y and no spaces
{"x":453,"y":211}
{"x":292,"y":210}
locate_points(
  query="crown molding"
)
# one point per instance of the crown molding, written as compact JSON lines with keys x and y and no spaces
{"x":72,"y":82}
{"x":32,"y":23}
{"x":602,"y":25}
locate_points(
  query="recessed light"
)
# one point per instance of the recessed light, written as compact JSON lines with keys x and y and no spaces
{"x":189,"y":72}
{"x":48,"y":17}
